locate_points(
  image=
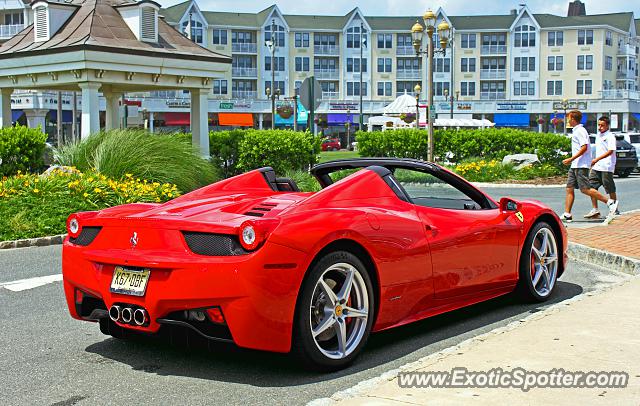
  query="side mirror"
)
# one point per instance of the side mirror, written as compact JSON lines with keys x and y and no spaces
{"x":507,"y":204}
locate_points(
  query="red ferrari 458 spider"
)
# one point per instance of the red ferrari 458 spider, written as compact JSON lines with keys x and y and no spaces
{"x":254,"y":261}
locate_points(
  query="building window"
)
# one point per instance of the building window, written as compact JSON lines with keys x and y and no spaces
{"x":499,"y":39}
{"x":404,"y":40}
{"x":608,"y":38}
{"x":325,"y":64}
{"x":442,"y":65}
{"x":467,"y":88}
{"x":555,"y":38}
{"x":584,"y":87}
{"x":554,"y":88}
{"x":197,"y":31}
{"x":279,"y":35}
{"x":353,"y":88}
{"x":468,"y":64}
{"x":331,"y":87}
{"x":525,"y":36}
{"x":327,"y":40}
{"x":524,"y":88}
{"x":278,"y":66}
{"x":238,"y":37}
{"x":279,"y":85}
{"x":353,"y":37}
{"x":585,"y":37}
{"x":353,"y":65}
{"x":384,"y":88}
{"x":13,"y":19}
{"x":219,"y":37}
{"x":608,"y":63}
{"x":555,"y":63}
{"x":585,"y":62}
{"x":406,"y":87}
{"x":219,"y":87}
{"x":302,"y":40}
{"x":385,"y":40}
{"x":524,"y":64}
{"x":302,"y":64}
{"x":408,"y":64}
{"x":384,"y":65}
{"x":440,"y":87}
{"x":468,"y":41}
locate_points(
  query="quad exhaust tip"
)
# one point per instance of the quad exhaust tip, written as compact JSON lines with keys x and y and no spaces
{"x":115,"y":313}
{"x":127,"y":315}
{"x":140,"y":317}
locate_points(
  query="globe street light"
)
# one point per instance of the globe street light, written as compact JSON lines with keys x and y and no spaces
{"x":444,"y":33}
{"x":417,"y":89}
{"x":271,"y":44}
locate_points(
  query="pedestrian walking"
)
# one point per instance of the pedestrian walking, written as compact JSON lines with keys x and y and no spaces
{"x":603,"y":165}
{"x":580,"y":161}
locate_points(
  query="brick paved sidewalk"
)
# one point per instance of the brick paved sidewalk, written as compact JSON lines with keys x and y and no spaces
{"x":621,"y":237}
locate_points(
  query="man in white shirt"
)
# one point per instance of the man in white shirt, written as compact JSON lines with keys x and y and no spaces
{"x":603,"y":165}
{"x":580,"y":161}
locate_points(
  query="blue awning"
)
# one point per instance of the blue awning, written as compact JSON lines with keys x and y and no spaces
{"x":561,"y":116}
{"x":637,"y":116}
{"x":67,"y":116}
{"x":341,"y":118}
{"x":16,"y":114}
{"x":303,"y":116}
{"x":511,"y":119}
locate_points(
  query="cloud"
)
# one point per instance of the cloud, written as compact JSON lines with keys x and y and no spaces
{"x":411,"y":7}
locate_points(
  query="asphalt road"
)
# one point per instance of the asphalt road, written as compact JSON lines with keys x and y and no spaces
{"x":47,"y":358}
{"x":628,"y":190}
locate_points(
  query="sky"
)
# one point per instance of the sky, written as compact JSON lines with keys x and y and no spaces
{"x":412,"y":7}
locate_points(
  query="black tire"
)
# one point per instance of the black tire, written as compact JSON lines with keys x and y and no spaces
{"x":525,"y":287}
{"x":624,"y":173}
{"x":304,"y":346}
{"x":109,"y":328}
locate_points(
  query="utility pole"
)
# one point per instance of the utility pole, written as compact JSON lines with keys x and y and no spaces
{"x":362,"y":43}
{"x":271,"y":44}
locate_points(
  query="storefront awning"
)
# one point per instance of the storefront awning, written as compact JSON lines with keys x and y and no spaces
{"x":177,"y":119}
{"x":561,"y":116}
{"x":637,"y":116}
{"x":303,"y":116}
{"x":235,"y":119}
{"x":16,"y":114}
{"x":341,"y":118}
{"x":511,"y":119}
{"x":67,"y":116}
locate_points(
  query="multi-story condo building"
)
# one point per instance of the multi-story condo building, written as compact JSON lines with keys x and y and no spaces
{"x":514,"y":69}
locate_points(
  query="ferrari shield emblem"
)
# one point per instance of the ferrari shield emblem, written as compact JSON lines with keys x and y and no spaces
{"x":520,"y":216}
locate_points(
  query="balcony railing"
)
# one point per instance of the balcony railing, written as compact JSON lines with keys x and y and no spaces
{"x":493,"y":49}
{"x":409,"y":74}
{"x":626,"y":50}
{"x":405,"y":50}
{"x":493,"y":73}
{"x":620,"y":94}
{"x":244,"y":94}
{"x":244,"y":47}
{"x":625,"y":74}
{"x":493,"y":95}
{"x":244,"y":72}
{"x":332,"y":74}
{"x":326,"y":50}
{"x":8,"y":31}
{"x":331,"y":95}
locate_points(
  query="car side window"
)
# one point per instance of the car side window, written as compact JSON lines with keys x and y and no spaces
{"x":427,"y":190}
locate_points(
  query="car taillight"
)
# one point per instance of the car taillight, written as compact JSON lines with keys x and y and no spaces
{"x":253,"y":233}
{"x":74,"y":228}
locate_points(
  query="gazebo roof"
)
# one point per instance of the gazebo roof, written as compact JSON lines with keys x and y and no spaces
{"x":97,"y":25}
{"x":402,"y":104}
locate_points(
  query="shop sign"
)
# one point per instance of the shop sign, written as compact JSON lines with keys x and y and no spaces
{"x":572,"y":105}
{"x":180,"y":104}
{"x":463,"y":106}
{"x":226,"y":105}
{"x":511,"y":106}
{"x":343,"y":106}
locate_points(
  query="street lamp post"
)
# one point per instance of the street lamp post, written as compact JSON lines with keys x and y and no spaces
{"x":417,"y":89}
{"x":565,"y":106}
{"x":271,"y":45}
{"x":362,"y":43}
{"x":444,"y":33}
{"x":348,"y":125}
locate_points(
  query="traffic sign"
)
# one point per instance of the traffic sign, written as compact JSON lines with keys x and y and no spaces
{"x":305,"y":92}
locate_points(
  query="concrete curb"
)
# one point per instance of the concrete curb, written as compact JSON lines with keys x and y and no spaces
{"x":33,"y":242}
{"x":604,"y":259}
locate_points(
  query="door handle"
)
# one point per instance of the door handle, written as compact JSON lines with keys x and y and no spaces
{"x":431,"y":228}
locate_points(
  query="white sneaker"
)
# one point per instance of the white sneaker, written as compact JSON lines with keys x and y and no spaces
{"x":613,"y":206}
{"x":566,"y":217}
{"x":593,"y":214}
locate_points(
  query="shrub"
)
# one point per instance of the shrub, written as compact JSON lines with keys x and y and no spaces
{"x":21,"y":149}
{"x":480,"y":170}
{"x":283,"y":150}
{"x":155,"y":158}
{"x":402,"y":143}
{"x":35,"y":206}
{"x":304,"y":180}
{"x":225,"y":150}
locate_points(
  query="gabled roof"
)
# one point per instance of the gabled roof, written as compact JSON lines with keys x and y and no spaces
{"x":97,"y":25}
{"x":638,"y":26}
{"x":485,"y":22}
{"x":175,"y":13}
{"x":621,"y":21}
{"x":391,"y":23}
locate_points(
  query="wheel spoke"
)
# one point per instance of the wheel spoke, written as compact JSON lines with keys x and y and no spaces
{"x":545,"y":244}
{"x":536,"y":252}
{"x":345,"y":291}
{"x":326,"y":323}
{"x":550,"y":260}
{"x":536,"y":277}
{"x":341,"y":335}
{"x":357,"y":313}
{"x":547,"y":278}
{"x":331,"y":295}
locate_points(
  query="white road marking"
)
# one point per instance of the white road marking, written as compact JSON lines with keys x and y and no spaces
{"x":30,"y":283}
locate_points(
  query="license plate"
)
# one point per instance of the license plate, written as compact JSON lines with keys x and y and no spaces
{"x":622,"y":154}
{"x":130,"y":281}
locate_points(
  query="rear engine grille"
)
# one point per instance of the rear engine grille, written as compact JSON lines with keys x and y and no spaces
{"x":218,"y":245}
{"x":86,"y":237}
{"x":260,"y":210}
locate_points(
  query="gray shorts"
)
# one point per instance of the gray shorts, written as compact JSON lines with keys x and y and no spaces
{"x":578,"y":178}
{"x":601,"y":178}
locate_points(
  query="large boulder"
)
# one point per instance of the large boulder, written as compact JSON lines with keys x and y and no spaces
{"x":520,"y":161}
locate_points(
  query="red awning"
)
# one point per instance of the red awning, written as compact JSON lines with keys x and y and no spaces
{"x":177,"y":119}
{"x":235,"y":119}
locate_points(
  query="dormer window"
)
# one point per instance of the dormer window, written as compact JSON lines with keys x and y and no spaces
{"x":41,"y":23}
{"x":197,"y":31}
{"x":148,"y":24}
